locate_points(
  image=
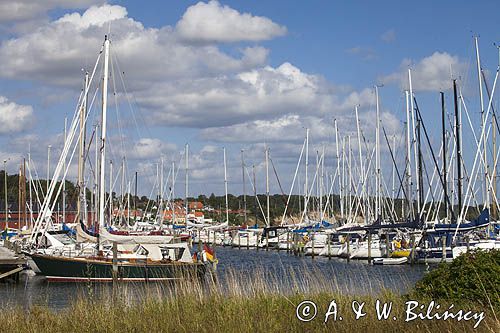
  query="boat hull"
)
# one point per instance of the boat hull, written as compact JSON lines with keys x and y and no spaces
{"x":65,"y":269}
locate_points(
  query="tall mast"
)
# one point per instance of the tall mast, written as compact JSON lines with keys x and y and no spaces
{"x":81,"y":151}
{"x":187,"y":183}
{"x":445,"y":179}
{"x":267,"y":187}
{"x":96,"y":181}
{"x":378,"y":180}
{"x":173,"y":193}
{"x":361,"y":167}
{"x":486,"y":188}
{"x":408,"y":159}
{"x":135,"y":198}
{"x":64,"y":173}
{"x":30,"y":189}
{"x":225,"y":186}
{"x":393,"y":177}
{"x":322,"y":165}
{"x":306,"y":185}
{"x":102,"y":186}
{"x":244,"y":187}
{"x":412,"y":111}
{"x":458,"y":145}
{"x":254,"y":193}
{"x":122,"y":190}
{"x":419,"y":164}
{"x":337,"y":151}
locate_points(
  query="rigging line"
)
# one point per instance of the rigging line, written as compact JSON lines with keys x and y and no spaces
{"x":127,"y":95}
{"x":118,"y":119}
{"x":394,"y":162}
{"x":277,"y":178}
{"x":257,"y":196}
{"x":417,"y":109}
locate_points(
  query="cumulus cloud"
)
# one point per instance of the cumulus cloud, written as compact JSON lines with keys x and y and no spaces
{"x":17,"y":10}
{"x":261,"y":93}
{"x":55,"y":52}
{"x":14,"y":117}
{"x":212,"y":22}
{"x":150,"y":148}
{"x":432,"y":73}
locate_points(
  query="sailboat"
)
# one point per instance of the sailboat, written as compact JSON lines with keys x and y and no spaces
{"x":111,"y":256}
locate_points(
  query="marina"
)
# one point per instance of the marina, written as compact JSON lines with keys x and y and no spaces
{"x":162,"y":171}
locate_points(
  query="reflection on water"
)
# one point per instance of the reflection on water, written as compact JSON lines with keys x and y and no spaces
{"x":278,"y":268}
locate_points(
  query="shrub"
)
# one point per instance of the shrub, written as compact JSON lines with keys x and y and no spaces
{"x":474,"y":276}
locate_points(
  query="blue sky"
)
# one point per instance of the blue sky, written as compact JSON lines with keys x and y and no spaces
{"x":334,"y":52}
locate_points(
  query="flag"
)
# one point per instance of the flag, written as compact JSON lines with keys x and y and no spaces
{"x":209,"y":253}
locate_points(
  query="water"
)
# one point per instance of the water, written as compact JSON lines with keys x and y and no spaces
{"x":355,"y":277}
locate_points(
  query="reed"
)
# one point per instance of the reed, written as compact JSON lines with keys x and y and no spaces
{"x":262,"y":301}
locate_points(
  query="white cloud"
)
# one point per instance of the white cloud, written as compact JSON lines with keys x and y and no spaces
{"x":213,"y":22}
{"x":55,"y":52}
{"x":150,"y":148}
{"x":17,"y":10}
{"x":432,"y":73}
{"x":14,"y":117}
{"x":230,"y":99}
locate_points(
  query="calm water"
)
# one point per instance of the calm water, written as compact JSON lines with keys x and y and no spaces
{"x":355,"y":277}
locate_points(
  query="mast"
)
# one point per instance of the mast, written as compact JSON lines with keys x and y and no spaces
{"x":486,"y":188}
{"x":244,"y":187}
{"x":378,"y":180}
{"x":81,"y":152}
{"x":5,"y":192}
{"x":135,"y":198}
{"x":306,"y":185}
{"x":122,"y":190}
{"x":361,"y":167}
{"x":408,"y":159}
{"x":225,"y":186}
{"x":394,"y":177}
{"x":173,"y":193}
{"x":23,"y":199}
{"x":337,"y":151}
{"x":322,"y":165}
{"x":458,"y":146}
{"x":64,"y":173}
{"x":111,"y":191}
{"x":417,"y":174}
{"x":30,"y":189}
{"x":268,"y":220}
{"x":102,"y":186}
{"x":187,"y":183}
{"x":445,"y":179}
{"x":254,"y":193}
{"x":48,"y":167}
{"x":419,"y":162}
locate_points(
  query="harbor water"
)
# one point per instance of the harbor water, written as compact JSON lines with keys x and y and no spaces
{"x":279,"y":268}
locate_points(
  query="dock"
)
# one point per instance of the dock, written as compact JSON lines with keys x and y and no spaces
{"x":10,"y":264}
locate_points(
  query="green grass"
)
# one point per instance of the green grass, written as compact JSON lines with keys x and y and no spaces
{"x":242,"y":303}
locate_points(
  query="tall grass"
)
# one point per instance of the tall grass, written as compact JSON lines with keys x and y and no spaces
{"x":261,"y":301}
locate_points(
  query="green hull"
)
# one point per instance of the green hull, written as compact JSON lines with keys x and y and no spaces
{"x":66,"y":269}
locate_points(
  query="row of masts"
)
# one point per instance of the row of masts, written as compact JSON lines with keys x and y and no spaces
{"x":350,"y":205}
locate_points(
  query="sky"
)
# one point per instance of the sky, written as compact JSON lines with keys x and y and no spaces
{"x":235,"y":74}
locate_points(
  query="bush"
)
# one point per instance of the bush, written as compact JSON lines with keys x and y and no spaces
{"x":474,"y":276}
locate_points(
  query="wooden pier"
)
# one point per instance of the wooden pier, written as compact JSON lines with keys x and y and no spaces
{"x":10,"y":264}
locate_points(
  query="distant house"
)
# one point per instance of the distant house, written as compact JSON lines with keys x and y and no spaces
{"x":195,"y":205}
